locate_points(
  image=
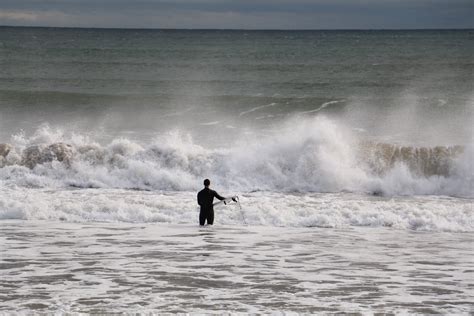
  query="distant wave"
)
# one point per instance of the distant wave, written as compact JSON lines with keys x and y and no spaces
{"x":324,"y":105}
{"x":315,"y":156}
{"x":257,"y":108}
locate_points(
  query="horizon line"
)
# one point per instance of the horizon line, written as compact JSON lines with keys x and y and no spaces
{"x":235,"y":29}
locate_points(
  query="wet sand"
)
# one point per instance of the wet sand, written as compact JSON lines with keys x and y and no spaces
{"x":121,"y":267}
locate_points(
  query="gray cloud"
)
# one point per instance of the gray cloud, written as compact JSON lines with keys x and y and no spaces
{"x":256,"y":14}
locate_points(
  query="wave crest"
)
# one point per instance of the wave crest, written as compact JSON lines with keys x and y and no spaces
{"x":422,"y":161}
{"x":315,"y":156}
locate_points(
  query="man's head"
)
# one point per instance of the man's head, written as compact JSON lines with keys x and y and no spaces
{"x":207,"y":183}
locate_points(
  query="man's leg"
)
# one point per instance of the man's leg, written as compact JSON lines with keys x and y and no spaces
{"x":202,"y":218}
{"x":210,"y":218}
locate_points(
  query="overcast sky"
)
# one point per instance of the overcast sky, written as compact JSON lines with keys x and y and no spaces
{"x":241,"y":14}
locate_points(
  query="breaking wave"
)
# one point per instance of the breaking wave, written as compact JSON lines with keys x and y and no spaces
{"x":315,"y":156}
{"x":329,"y":210}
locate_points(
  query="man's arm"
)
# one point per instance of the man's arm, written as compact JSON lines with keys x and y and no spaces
{"x":216,"y":195}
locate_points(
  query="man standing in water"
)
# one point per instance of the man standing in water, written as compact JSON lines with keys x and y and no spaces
{"x":205,"y":198}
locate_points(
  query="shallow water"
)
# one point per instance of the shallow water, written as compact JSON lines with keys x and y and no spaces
{"x":326,"y":210}
{"x":118,"y":267}
{"x":351,"y":153}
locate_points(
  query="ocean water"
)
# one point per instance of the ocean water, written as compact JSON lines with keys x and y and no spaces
{"x":117,"y":267}
{"x":358,"y":135}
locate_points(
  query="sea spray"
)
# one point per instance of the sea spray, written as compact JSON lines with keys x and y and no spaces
{"x":305,"y":155}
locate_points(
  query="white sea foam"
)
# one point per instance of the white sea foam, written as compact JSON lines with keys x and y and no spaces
{"x":66,"y":268}
{"x":313,"y":173}
{"x":314,"y":155}
{"x":339,"y":210}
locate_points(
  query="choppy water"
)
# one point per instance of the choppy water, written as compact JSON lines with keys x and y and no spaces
{"x":104,"y":268}
{"x":351,"y":151}
{"x":366,"y":112}
{"x":221,"y":84}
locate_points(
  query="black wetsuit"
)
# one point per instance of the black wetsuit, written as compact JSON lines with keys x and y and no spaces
{"x":205,"y":198}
